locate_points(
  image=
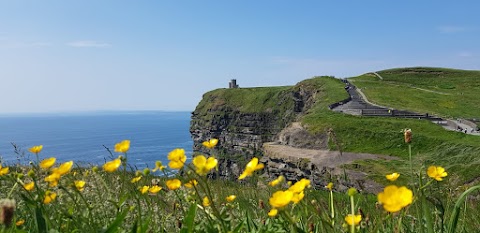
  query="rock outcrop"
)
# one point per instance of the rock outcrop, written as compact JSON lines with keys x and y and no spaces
{"x":241,"y":128}
{"x":244,"y":127}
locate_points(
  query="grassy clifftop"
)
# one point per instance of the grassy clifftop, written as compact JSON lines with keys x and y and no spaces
{"x":432,"y":144}
{"x":445,"y":92}
{"x":378,"y":135}
{"x":251,"y":100}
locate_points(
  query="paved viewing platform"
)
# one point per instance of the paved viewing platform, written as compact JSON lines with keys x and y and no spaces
{"x":358,"y":104}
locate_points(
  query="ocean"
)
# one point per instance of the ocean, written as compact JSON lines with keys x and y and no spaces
{"x":81,"y":137}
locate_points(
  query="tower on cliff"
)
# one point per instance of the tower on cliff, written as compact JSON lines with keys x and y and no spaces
{"x":233,"y":84}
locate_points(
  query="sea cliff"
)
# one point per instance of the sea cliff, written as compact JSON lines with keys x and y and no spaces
{"x":244,"y":119}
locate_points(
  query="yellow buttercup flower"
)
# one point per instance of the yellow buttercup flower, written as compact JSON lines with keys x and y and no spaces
{"x":206,"y":202}
{"x":191,"y":183}
{"x":210,"y":143}
{"x":299,"y":186}
{"x":29,"y":186}
{"x":177,"y":158}
{"x":158,"y":166}
{"x":273,"y":212}
{"x":36,"y":149}
{"x":3,"y":170}
{"x":173,"y":184}
{"x":19,"y":222}
{"x":277,"y":181}
{"x":353,"y":219}
{"x":407,"y":134}
{"x":280,"y":198}
{"x":204,"y":165}
{"x":112,"y":166}
{"x":144,"y":189}
{"x":329,"y":186}
{"x":154,"y":189}
{"x":297,"y":197}
{"x":64,"y":168}
{"x":251,"y":167}
{"x":436,"y":173}
{"x":79,"y":184}
{"x":47,"y":163}
{"x":123,"y":146}
{"x":231,"y":198}
{"x":392,"y":177}
{"x":395,"y":198}
{"x":49,"y":197}
{"x":53,"y":179}
{"x":136,"y":179}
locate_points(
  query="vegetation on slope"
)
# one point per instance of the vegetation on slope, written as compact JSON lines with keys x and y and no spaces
{"x":248,"y":100}
{"x":373,"y":134}
{"x":444,"y":92}
{"x":49,"y":197}
{"x":383,"y":136}
{"x":62,"y":198}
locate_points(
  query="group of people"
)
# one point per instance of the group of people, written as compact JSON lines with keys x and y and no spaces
{"x":465,"y":130}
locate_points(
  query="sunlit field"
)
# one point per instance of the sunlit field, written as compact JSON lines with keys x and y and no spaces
{"x":179,"y":197}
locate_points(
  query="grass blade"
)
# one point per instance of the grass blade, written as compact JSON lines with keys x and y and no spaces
{"x":452,"y":225}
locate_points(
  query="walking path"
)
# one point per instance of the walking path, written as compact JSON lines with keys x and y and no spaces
{"x":358,"y":104}
{"x":376,"y":74}
{"x":331,"y":160}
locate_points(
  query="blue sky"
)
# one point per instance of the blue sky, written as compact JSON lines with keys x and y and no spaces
{"x":69,"y":56}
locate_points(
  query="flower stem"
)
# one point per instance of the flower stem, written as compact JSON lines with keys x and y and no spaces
{"x":11,"y":190}
{"x":352,"y":203}
{"x":399,"y":224}
{"x":332,"y":209}
{"x":410,"y":159}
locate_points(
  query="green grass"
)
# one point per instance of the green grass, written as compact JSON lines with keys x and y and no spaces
{"x":110,"y":202}
{"x":249,"y":100}
{"x":375,"y":135}
{"x":444,"y":92}
{"x":378,"y":135}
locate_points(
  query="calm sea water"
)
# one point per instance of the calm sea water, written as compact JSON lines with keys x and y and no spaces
{"x":80,"y":137}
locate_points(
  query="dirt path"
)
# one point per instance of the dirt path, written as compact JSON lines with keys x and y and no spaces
{"x":332,"y":161}
{"x":322,"y":158}
{"x":398,"y":85}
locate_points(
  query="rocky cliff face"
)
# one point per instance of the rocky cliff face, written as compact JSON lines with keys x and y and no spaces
{"x":244,"y":119}
{"x":238,"y":133}
{"x":240,"y":130}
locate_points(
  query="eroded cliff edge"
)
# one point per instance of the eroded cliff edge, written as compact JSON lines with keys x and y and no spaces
{"x":245,"y":119}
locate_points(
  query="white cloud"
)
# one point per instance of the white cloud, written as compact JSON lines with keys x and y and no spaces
{"x":88,"y":44}
{"x":448,"y":29}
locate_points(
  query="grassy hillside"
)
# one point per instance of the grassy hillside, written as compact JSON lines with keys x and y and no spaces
{"x":378,"y":135}
{"x":445,"y":92}
{"x":48,"y":197}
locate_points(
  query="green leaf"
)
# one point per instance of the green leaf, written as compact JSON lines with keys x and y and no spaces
{"x":249,"y":228}
{"x":239,"y":226}
{"x":144,"y":226}
{"x":41,"y":224}
{"x":115,"y":224}
{"x":189,"y":220}
{"x":135,"y":227}
{"x":452,"y":225}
